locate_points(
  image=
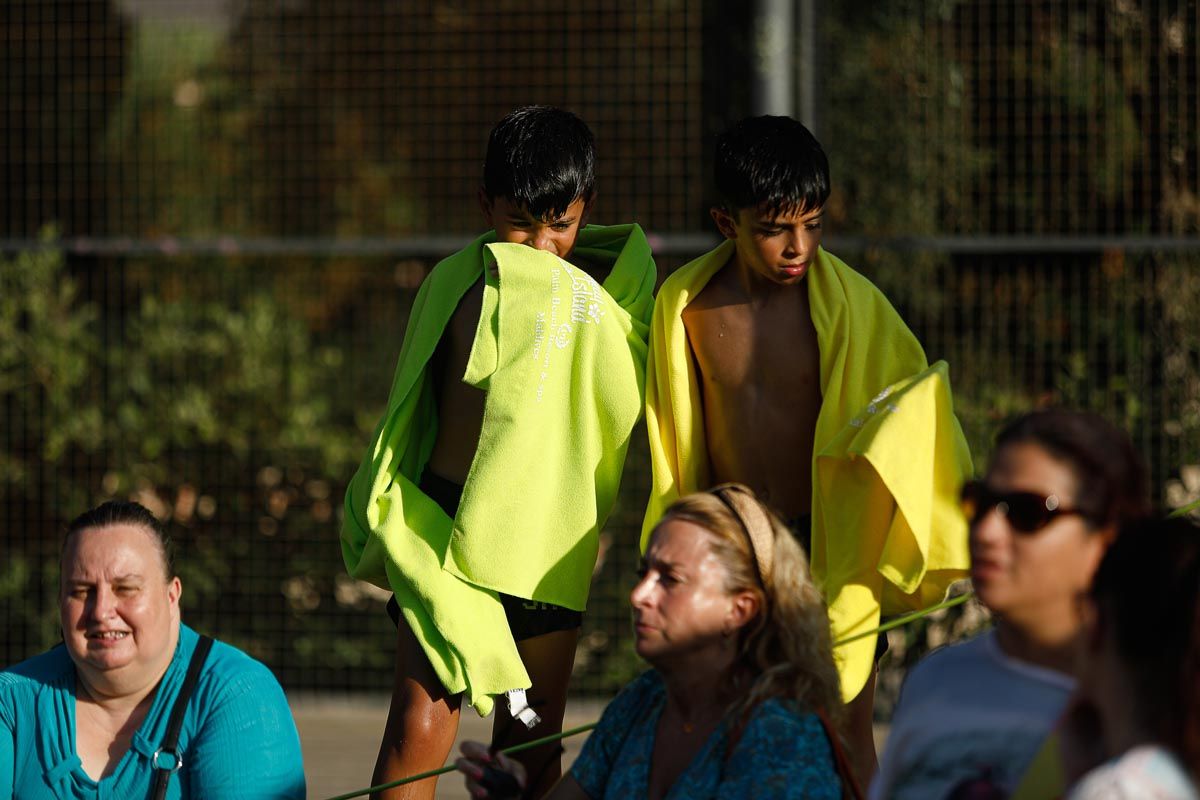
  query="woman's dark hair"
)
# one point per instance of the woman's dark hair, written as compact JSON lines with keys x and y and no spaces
{"x":541,"y":158}
{"x":123,"y":512}
{"x":1111,"y":486}
{"x":770,"y":162}
{"x":1147,"y":595}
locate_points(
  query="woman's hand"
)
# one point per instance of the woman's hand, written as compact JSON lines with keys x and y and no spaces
{"x":492,"y":775}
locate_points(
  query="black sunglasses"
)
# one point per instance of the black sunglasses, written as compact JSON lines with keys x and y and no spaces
{"x":1027,"y":512}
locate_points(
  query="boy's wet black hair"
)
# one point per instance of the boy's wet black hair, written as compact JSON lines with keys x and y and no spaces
{"x":542,"y":159}
{"x":123,"y":512}
{"x":773,"y":163}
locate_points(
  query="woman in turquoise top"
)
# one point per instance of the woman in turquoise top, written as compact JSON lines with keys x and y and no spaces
{"x":743,"y":691}
{"x":85,"y":719}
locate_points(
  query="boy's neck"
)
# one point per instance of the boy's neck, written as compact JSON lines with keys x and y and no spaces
{"x":760,"y":290}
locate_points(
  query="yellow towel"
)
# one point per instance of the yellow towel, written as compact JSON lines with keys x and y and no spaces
{"x":885,"y":483}
{"x":1044,"y":779}
{"x":562,"y":361}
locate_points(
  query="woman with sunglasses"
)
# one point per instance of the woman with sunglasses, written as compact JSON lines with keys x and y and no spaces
{"x":743,"y":694}
{"x":972,"y":716}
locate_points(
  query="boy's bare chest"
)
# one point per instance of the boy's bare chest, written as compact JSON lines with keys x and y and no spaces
{"x":759,"y":374}
{"x":769,"y":352}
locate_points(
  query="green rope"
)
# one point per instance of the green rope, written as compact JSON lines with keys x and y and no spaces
{"x":554,"y":737}
{"x":907,"y":618}
{"x":517,"y":748}
{"x":1188,"y":509}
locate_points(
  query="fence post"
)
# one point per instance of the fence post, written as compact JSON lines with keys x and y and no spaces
{"x":808,"y":65}
{"x":772,"y":65}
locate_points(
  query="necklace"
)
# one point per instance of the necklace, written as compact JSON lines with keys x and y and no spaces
{"x":700,"y":723}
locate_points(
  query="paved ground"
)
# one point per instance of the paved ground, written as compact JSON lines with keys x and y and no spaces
{"x":340,"y":737}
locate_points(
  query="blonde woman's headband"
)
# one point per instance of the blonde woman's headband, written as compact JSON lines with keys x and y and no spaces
{"x":754,"y":521}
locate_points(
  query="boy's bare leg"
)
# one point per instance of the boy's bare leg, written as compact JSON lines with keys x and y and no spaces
{"x":421,"y":725}
{"x":548,"y":660}
{"x":860,"y":734}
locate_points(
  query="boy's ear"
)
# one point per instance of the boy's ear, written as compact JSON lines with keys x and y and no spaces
{"x":725,"y":222}
{"x":485,"y":206}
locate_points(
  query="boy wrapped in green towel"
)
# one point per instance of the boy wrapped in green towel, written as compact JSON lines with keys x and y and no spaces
{"x":479,"y":504}
{"x":774,"y":364}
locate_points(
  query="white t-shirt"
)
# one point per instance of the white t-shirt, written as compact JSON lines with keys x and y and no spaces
{"x":968,"y":716}
{"x":1147,"y":772}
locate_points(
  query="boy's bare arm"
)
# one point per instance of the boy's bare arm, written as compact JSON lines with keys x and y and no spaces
{"x":760,"y":379}
{"x":460,"y":407}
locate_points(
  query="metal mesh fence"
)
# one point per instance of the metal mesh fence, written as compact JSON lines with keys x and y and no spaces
{"x":364,"y":119}
{"x":245,"y":198}
{"x":1026,"y":119}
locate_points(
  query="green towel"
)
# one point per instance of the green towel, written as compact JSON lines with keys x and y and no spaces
{"x":562,"y":360}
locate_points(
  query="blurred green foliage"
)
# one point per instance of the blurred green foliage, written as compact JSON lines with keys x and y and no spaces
{"x":46,"y":350}
{"x":193,"y":120}
{"x":224,"y":417}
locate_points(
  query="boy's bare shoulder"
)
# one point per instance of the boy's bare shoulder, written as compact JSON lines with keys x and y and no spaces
{"x":721,"y":290}
{"x":465,"y":318}
{"x":717,"y":317}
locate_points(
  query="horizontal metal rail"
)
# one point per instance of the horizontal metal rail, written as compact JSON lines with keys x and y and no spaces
{"x":666,"y":244}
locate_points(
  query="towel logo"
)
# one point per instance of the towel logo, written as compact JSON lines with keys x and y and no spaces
{"x":587,"y":308}
{"x":873,"y":407}
{"x":586,"y":300}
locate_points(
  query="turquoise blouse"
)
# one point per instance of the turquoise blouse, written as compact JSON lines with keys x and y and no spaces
{"x":238,"y":738}
{"x":781,"y":754}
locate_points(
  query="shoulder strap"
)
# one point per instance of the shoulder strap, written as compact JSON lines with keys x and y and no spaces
{"x":166,"y":760}
{"x":841,"y":761}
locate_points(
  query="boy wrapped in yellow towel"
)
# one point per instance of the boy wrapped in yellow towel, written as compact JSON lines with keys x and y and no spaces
{"x":776,"y":365}
{"x":479,"y":504}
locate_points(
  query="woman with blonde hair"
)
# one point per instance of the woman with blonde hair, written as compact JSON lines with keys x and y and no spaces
{"x":743,"y":697}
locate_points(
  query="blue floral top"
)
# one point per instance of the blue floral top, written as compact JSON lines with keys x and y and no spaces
{"x":781,"y":754}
